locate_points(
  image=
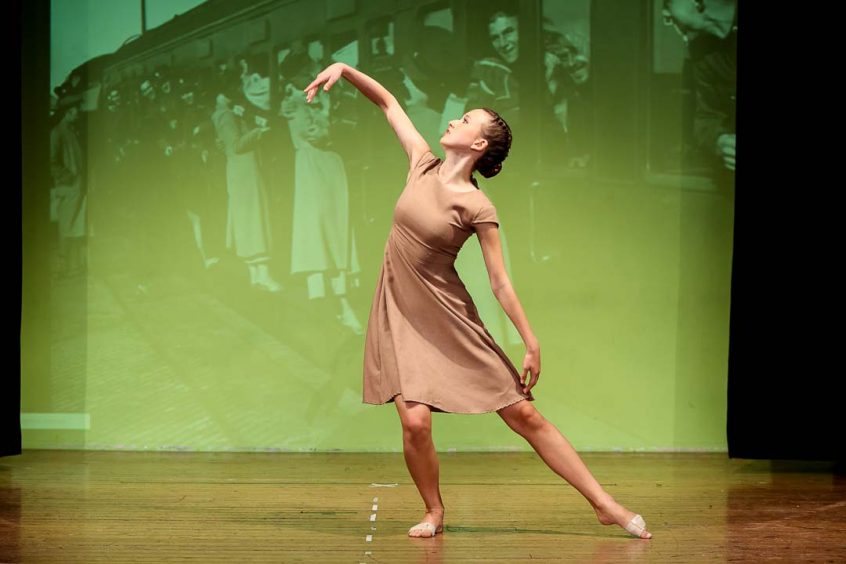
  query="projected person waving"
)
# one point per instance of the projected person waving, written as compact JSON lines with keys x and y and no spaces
{"x":248,"y":220}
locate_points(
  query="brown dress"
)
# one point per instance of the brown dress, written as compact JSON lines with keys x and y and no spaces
{"x":425,"y":338}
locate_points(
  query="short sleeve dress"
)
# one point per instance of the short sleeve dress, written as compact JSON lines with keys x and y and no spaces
{"x":424,"y":337}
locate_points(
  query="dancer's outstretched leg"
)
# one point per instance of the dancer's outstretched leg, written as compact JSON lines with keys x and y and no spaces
{"x":563,"y":459}
{"x":422,"y":462}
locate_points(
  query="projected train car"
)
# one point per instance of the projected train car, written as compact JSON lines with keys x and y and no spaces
{"x":596,"y":85}
{"x":595,"y":91}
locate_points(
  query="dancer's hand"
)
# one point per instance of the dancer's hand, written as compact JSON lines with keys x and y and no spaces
{"x":531,"y":363}
{"x":330,"y":75}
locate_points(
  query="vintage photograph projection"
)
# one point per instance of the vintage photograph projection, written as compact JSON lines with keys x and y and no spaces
{"x":213,"y":240}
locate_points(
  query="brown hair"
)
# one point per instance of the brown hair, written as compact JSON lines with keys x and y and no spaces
{"x":498,"y":135}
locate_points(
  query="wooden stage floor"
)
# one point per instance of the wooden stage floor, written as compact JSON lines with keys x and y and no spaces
{"x":108,"y":506}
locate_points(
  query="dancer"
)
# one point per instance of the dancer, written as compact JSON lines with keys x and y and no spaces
{"x":426,"y":349}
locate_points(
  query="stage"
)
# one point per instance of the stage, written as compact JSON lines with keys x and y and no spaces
{"x":109,"y":506}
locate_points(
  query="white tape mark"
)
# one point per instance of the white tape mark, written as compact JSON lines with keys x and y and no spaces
{"x":374,"y":485}
{"x":367,"y":552}
{"x":375,"y":499}
{"x":373,"y":517}
{"x":369,"y":538}
{"x":375,"y":507}
{"x":372,"y":528}
{"x":51,"y":421}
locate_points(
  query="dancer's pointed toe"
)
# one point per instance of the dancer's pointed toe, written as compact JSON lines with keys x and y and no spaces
{"x":637,"y":527}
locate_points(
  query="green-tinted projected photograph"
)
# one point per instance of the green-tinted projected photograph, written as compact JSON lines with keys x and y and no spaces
{"x":215,"y":240}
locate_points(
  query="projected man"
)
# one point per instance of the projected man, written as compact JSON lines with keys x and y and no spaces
{"x":567,"y":76}
{"x":565,"y":102}
{"x":709,"y":29}
{"x":492,"y":78}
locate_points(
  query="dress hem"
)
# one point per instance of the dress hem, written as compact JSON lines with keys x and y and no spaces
{"x":442,"y":410}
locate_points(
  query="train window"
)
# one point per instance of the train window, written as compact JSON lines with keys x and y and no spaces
{"x":257,"y":31}
{"x":437,"y":15}
{"x":380,"y":37}
{"x":339,"y":8}
{"x":292,"y":57}
{"x":567,"y":96}
{"x":537,"y":77}
{"x":203,"y":48}
{"x":343,"y":47}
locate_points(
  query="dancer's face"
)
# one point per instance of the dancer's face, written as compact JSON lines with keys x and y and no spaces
{"x":465,"y":133}
{"x":504,"y":35}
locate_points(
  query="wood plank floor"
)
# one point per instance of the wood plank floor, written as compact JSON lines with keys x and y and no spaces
{"x":106,"y":506}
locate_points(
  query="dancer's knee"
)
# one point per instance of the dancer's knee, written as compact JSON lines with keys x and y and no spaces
{"x":522,"y":417}
{"x":417,"y":431}
{"x":416,"y":419}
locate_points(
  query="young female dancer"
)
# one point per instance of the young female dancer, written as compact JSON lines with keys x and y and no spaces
{"x":426,"y":348}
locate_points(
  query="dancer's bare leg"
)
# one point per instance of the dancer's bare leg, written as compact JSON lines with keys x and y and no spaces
{"x":563,"y":459}
{"x":421,"y":459}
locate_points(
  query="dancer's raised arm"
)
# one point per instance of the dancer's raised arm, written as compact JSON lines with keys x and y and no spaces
{"x":412,"y":142}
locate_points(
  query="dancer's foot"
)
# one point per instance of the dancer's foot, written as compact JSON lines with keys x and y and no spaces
{"x":609,"y":512}
{"x":433,"y":518}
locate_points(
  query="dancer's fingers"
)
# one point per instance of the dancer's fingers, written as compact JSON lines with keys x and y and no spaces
{"x":331,"y":82}
{"x":533,"y":378}
{"x":316,"y":82}
{"x":313,"y":86}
